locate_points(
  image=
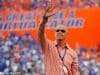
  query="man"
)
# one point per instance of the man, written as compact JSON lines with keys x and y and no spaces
{"x":59,"y":58}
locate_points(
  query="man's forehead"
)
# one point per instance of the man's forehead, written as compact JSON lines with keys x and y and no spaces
{"x":60,"y":26}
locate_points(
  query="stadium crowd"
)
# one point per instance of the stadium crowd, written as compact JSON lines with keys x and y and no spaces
{"x":34,"y":4}
{"x":21,"y":55}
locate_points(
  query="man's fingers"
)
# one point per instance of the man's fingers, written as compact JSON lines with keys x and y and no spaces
{"x":52,"y":8}
{"x":49,"y":10}
{"x":51,"y":15}
{"x":50,"y":4}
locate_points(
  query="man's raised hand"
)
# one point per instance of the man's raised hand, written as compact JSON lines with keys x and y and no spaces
{"x":49,"y":11}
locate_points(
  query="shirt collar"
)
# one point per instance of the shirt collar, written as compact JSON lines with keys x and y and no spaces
{"x":66,"y":46}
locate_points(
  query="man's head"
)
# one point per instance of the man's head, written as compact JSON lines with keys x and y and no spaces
{"x":60,"y":32}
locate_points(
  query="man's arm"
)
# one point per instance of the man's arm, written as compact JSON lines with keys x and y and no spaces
{"x":41,"y":33}
{"x":75,"y":65}
{"x":41,"y":30}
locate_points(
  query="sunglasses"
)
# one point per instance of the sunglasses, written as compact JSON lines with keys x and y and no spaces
{"x":58,"y":30}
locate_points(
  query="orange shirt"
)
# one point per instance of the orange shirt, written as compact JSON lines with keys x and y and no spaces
{"x":53,"y":63}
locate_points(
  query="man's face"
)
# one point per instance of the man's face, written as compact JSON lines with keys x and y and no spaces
{"x":60,"y":32}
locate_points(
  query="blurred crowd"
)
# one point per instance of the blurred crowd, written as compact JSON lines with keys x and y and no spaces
{"x":21,"y":55}
{"x":34,"y":4}
{"x":89,"y":60}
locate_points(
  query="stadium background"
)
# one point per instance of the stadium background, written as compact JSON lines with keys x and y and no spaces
{"x":19,"y":20}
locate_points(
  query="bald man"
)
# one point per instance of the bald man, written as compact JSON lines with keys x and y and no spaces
{"x":59,"y":58}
